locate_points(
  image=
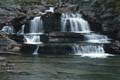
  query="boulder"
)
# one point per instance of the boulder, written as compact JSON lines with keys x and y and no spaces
{"x":7,"y":44}
{"x":113,"y":48}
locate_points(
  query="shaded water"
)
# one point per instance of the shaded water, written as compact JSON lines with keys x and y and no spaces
{"x":62,"y":67}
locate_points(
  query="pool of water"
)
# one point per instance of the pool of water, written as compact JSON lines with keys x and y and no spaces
{"x":60,"y":67}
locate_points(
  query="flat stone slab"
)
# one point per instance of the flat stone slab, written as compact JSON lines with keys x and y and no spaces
{"x":9,"y":53}
{"x":65,"y":34}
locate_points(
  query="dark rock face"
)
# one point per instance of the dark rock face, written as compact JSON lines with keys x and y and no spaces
{"x":7,"y":13}
{"x":113,"y":48}
{"x":105,"y":13}
{"x":95,"y":25}
{"x":65,"y":37}
{"x":27,"y":26}
{"x":18,"y":38}
{"x":107,"y":18}
{"x":54,"y":49}
{"x":48,"y":49}
{"x":51,"y":22}
{"x":17,"y":23}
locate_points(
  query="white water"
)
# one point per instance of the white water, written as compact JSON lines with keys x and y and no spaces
{"x":92,"y":51}
{"x":8,"y":29}
{"x":96,"y":55}
{"x":88,"y":49}
{"x":36,"y":50}
{"x":36,"y":25}
{"x":22,"y":29}
{"x":36,"y":29}
{"x":32,"y":39}
{"x":96,"y":38}
{"x":51,"y":9}
{"x":75,"y":23}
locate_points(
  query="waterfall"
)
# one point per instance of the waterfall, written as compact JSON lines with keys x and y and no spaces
{"x":79,"y":49}
{"x":36,"y":25}
{"x":22,"y":29}
{"x":51,"y":9}
{"x":36,"y":29}
{"x":92,"y":51}
{"x":33,"y":37}
{"x":36,"y":50}
{"x":75,"y":23}
{"x":8,"y":29}
{"x":96,"y":38}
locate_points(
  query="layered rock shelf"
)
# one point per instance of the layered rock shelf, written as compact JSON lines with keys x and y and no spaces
{"x":99,"y":20}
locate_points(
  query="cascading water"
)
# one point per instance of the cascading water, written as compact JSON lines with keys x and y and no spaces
{"x":74,"y":23}
{"x":51,"y":9}
{"x":22,"y":29}
{"x":36,"y":50}
{"x":33,"y":37}
{"x":94,"y":46}
{"x":36,"y":29}
{"x":36,"y":25}
{"x":8,"y":29}
{"x":96,"y":38}
{"x":90,"y":50}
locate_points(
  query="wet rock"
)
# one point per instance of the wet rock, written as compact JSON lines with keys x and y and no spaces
{"x":106,"y":13}
{"x":113,"y":48}
{"x":51,"y":22}
{"x":107,"y":16}
{"x":65,"y":37}
{"x":2,"y":58}
{"x":18,"y":21}
{"x":6,"y":14}
{"x":6,"y":44}
{"x":16,"y":14}
{"x":48,"y":48}
{"x":18,"y":38}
